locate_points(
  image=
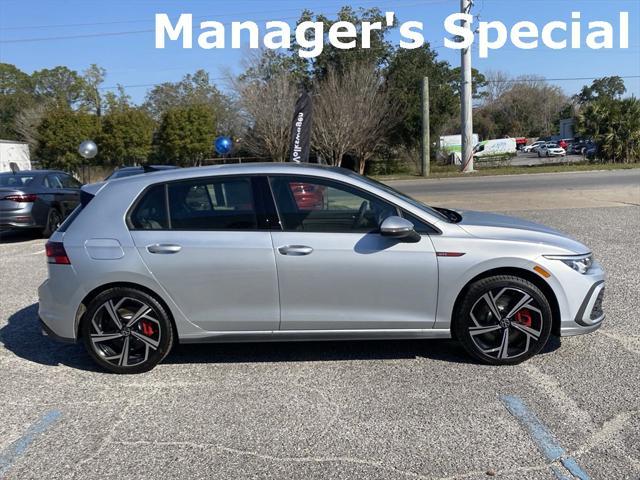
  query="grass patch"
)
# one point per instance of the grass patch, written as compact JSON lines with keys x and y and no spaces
{"x":452,"y":171}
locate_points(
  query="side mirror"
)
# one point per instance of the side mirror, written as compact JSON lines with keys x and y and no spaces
{"x":398,"y":227}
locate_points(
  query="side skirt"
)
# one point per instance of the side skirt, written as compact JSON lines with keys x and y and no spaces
{"x":313,"y":335}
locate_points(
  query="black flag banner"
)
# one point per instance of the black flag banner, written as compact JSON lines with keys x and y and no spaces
{"x":301,"y":129}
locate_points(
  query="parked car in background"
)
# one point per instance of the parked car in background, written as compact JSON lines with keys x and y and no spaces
{"x":229,"y":254}
{"x":591,"y":151}
{"x":308,"y":196}
{"x":521,"y":142}
{"x":501,"y":147}
{"x":533,"y":148}
{"x":37,"y":199}
{"x":129,"y":171}
{"x":551,"y":149}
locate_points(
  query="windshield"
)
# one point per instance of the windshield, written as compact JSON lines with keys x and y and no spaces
{"x":15,"y":179}
{"x":422,"y":206}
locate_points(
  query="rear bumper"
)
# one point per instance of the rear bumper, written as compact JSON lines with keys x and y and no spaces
{"x":59,"y":304}
{"x":19,"y":218}
{"x":50,"y":333}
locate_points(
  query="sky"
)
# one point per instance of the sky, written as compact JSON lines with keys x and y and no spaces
{"x":119,"y":36}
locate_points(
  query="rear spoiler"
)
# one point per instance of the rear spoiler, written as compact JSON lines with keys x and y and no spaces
{"x":87,"y":192}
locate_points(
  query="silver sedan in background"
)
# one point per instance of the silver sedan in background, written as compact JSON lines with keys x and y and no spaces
{"x":286,"y":252}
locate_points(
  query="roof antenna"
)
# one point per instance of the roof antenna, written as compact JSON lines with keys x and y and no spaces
{"x":14,"y":167}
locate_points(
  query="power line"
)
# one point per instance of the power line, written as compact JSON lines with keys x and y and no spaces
{"x":152,"y":30}
{"x":432,"y":85}
{"x":199,"y":17}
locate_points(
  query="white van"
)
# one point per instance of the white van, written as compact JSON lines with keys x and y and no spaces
{"x":16,"y":153}
{"x":502,"y":147}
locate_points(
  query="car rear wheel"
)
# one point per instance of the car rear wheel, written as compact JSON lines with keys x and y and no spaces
{"x":54,"y":219}
{"x":503,"y":320}
{"x":126,"y":330}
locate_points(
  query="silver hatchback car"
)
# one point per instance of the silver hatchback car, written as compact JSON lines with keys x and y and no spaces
{"x":286,"y":252}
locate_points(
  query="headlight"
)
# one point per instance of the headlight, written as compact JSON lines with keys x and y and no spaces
{"x":580,"y":263}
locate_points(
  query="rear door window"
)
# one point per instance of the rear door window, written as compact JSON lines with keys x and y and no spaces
{"x":213,"y":204}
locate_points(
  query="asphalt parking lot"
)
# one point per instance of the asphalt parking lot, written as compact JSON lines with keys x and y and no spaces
{"x":370,"y":410}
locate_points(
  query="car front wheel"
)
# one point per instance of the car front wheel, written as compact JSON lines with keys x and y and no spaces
{"x":503,"y":320}
{"x":126,"y":330}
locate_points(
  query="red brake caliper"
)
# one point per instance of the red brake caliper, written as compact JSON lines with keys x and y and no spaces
{"x":523,"y":317}
{"x":147,"y":328}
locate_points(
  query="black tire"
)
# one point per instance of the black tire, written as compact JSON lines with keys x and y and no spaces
{"x":528,"y":327}
{"x":54,"y":219}
{"x":148,"y":339}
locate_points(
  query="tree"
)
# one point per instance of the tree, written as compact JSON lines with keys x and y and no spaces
{"x":185,"y":136}
{"x":27,"y":122}
{"x":404,"y":76}
{"x":60,"y":85}
{"x":528,"y":107}
{"x":267,"y":108}
{"x":352,"y":114}
{"x":340,"y":60}
{"x":16,"y":93}
{"x":195,"y":89}
{"x":126,"y":136}
{"x":60,"y":133}
{"x":602,"y":88}
{"x":93,"y":79}
{"x":614,"y":125}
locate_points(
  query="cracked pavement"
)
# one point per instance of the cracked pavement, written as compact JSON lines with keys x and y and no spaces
{"x":374,"y":410}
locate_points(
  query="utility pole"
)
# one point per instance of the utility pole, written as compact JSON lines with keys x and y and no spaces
{"x":466,"y":109}
{"x":426,"y":139}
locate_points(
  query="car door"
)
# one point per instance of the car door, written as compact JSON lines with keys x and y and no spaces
{"x":336,"y":272}
{"x":71,"y":188}
{"x":211,"y":251}
{"x":65,"y":199}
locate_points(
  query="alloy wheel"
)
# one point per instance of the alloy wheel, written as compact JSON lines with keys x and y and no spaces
{"x":505,"y":323}
{"x":125,"y":331}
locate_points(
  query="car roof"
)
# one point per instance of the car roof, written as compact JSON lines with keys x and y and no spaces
{"x":34,"y":172}
{"x":237,"y":169}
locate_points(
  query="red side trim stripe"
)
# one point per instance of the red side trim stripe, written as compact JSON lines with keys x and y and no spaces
{"x":450,"y":254}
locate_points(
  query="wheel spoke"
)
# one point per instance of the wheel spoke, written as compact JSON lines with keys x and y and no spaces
{"x":530,"y":332}
{"x":111,"y":310}
{"x":491,"y":303}
{"x":146,"y":340}
{"x":142,"y":311}
{"x":483,"y":330}
{"x":524,"y":301}
{"x":124,"y":356}
{"x":104,"y":337}
{"x":504,"y":346}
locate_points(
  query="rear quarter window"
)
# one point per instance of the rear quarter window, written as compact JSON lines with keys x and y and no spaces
{"x":150,"y":213}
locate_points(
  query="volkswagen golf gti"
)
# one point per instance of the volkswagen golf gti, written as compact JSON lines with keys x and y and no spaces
{"x":287,"y":252}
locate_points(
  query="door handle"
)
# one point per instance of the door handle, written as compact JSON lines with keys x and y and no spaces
{"x":295,"y":250}
{"x":164,"y":248}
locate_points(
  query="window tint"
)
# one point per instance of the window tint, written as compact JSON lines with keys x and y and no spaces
{"x":52,"y":181}
{"x":69,"y":182}
{"x":15,"y":180}
{"x":213,"y":204}
{"x":309,"y":204}
{"x":151,"y":211}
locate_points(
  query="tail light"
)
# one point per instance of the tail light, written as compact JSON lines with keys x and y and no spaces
{"x":22,"y":197}
{"x":56,"y":253}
